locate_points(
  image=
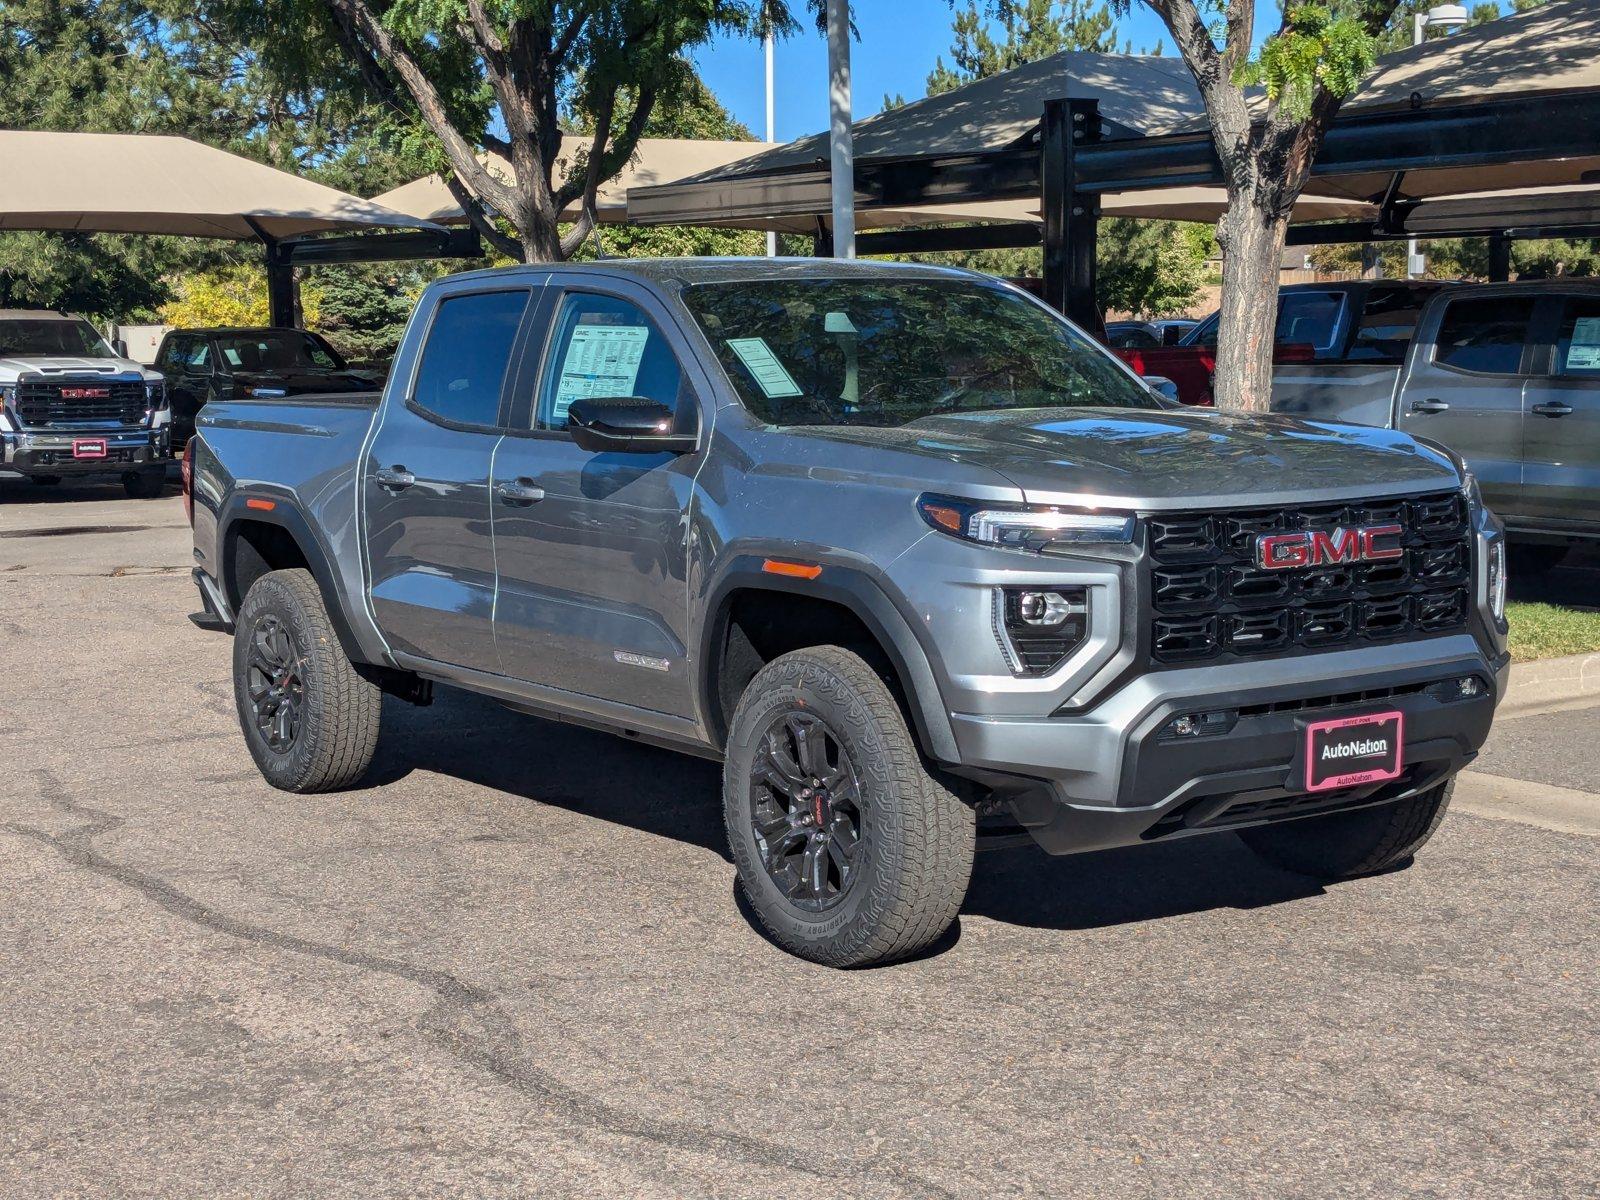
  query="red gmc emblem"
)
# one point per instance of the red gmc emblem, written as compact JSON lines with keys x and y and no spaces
{"x":1325,"y":547}
{"x":81,"y":393}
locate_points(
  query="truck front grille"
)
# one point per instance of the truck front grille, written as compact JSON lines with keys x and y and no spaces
{"x":45,"y":405}
{"x":1210,"y":600}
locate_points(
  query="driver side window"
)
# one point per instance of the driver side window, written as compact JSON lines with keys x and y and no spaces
{"x":603,"y":346}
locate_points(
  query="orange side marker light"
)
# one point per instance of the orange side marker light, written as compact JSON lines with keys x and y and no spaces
{"x":773,"y":566}
{"x":263,"y":505}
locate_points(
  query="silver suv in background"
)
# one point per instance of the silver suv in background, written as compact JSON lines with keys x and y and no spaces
{"x":1508,"y":376}
{"x":70,"y":404}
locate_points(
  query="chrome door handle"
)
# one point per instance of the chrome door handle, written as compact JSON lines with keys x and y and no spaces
{"x":1429,"y":406}
{"x":395,"y":477}
{"x":519,"y":492}
{"x":1553,"y":409}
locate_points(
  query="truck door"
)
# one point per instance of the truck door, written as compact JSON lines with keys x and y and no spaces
{"x":593,"y":596}
{"x":425,"y":482}
{"x":1561,"y":423}
{"x":1465,"y":390}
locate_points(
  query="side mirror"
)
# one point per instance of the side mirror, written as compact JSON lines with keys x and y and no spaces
{"x":1162,"y":386}
{"x":120,"y":347}
{"x":626,"y":425}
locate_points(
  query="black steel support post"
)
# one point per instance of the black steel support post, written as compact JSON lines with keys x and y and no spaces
{"x":1071,"y":218}
{"x":1499,"y":258}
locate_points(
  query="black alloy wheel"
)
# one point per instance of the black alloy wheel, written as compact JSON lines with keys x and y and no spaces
{"x":276,"y":683}
{"x":806,"y":810}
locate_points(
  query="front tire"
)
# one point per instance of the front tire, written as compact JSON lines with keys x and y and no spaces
{"x":1345,"y":845}
{"x":310,"y":720}
{"x":848,"y":850}
{"x":144,"y":485}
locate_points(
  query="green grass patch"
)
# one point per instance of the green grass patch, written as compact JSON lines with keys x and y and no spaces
{"x":1550,"y":630}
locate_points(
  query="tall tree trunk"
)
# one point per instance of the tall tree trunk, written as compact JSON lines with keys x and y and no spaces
{"x":1252,"y":240}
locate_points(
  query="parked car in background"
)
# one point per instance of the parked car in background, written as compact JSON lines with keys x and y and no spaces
{"x":1508,"y":376}
{"x":912,"y":556}
{"x":1147,"y":335}
{"x":70,"y":404}
{"x":204,"y":365}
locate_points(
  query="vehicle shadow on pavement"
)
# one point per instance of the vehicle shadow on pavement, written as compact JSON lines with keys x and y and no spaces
{"x":1575,"y":583}
{"x":676,"y":796}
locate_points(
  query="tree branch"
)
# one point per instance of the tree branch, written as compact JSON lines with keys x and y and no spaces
{"x":483,"y":222}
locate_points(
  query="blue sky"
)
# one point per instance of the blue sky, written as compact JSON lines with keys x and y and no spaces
{"x":899,"y":41}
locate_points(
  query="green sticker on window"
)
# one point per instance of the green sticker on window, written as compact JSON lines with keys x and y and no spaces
{"x":763,"y":364}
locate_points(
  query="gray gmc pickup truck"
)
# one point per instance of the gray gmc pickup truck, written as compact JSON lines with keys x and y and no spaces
{"x":916,"y":560}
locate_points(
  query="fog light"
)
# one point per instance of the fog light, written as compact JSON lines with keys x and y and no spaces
{"x":1044,"y":608}
{"x":1038,"y":629}
{"x":1200,"y":724}
{"x":1185,"y":726}
{"x":1468,"y":687}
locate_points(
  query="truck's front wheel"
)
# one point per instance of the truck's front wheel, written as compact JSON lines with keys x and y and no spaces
{"x":310,"y":720}
{"x":1344,"y":845}
{"x":848,"y":849}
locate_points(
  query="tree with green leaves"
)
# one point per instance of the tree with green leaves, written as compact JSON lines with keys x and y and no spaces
{"x":501,"y":76}
{"x":1012,"y":33}
{"x":1314,"y":59}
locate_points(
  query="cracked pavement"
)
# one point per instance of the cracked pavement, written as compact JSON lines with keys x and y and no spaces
{"x":514,"y":966}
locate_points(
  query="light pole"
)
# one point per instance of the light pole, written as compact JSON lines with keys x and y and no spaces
{"x":841,"y":156}
{"x":766,"y":42}
{"x":1448,"y":17}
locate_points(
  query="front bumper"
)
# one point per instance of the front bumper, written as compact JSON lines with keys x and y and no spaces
{"x":49,"y":452}
{"x":1113,"y":776}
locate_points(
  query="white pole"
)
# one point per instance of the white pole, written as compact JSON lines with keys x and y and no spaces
{"x":772,"y":236}
{"x":841,"y":154}
{"x":1419,"y":30}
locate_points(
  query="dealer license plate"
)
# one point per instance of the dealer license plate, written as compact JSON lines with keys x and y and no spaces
{"x":88,"y":447}
{"x":1348,"y":751}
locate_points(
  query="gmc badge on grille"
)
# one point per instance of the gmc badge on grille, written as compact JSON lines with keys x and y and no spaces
{"x":85,"y":393}
{"x":1327,"y":547}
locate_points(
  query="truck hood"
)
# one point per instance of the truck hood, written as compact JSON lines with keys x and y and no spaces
{"x":11,"y":369}
{"x":1170,"y":458}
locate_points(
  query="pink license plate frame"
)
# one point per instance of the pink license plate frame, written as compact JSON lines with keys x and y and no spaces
{"x":89,"y":448}
{"x":1389,"y":727}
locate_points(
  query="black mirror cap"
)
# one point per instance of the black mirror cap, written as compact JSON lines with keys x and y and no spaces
{"x":626,"y":425}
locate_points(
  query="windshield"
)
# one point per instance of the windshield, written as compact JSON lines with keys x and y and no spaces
{"x":884,"y":352}
{"x":276,"y":350}
{"x":29,"y":338}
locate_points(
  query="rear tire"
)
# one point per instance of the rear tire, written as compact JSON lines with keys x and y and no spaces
{"x":1345,"y":845}
{"x":882,"y":872}
{"x":144,"y":485}
{"x":310,"y":720}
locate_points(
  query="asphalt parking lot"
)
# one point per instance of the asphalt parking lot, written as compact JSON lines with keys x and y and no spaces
{"x":514,"y":965}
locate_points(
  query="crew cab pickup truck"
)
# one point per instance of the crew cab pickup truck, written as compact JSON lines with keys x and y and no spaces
{"x":71,"y":405}
{"x":908,"y":553}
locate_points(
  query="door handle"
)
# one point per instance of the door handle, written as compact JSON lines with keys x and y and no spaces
{"x":519,"y":492}
{"x":396,"y":477}
{"x":1429,"y":406}
{"x":1553,"y":409}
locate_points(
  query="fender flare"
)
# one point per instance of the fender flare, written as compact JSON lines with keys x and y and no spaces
{"x":286,"y":515}
{"x":853,"y":589}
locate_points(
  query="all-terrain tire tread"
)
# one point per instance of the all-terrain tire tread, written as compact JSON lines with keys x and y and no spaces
{"x":343,"y":710}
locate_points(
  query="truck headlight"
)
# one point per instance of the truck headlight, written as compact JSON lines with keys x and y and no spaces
{"x":155,"y":396}
{"x":1497,"y":579}
{"x":1041,"y":530}
{"x":8,"y":396}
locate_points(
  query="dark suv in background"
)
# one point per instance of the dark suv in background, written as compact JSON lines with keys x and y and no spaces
{"x":202,"y":365}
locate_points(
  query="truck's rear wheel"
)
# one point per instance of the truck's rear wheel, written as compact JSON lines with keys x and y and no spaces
{"x":1344,"y":845}
{"x":310,"y":720}
{"x":848,"y":849}
{"x":146,"y":484}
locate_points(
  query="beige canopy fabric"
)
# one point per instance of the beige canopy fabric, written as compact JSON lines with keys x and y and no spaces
{"x":136,"y":183}
{"x":655,"y":161}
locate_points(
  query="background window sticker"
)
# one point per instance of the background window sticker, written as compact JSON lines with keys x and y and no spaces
{"x":601,"y":360}
{"x":1584,"y":352}
{"x":763,"y":364}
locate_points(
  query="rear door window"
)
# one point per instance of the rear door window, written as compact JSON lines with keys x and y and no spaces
{"x":462,"y":371}
{"x":1485,"y":336}
{"x":1578,"y":339}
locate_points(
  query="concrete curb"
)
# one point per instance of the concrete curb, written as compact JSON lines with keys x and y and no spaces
{"x":1552,"y":682}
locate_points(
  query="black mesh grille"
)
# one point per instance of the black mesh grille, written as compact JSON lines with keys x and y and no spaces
{"x":44,"y":405}
{"x":1211,"y":600}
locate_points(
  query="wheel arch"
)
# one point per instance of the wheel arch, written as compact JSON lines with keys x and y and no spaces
{"x":849,"y":590}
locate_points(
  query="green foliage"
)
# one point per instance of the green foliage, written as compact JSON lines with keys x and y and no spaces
{"x":234,"y":295}
{"x":1315,"y":49}
{"x":364,"y":307}
{"x":1149,"y":268}
{"x":1028,"y":30}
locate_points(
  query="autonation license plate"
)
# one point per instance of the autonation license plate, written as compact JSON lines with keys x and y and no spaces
{"x":89,"y":448}
{"x":1353,"y":750}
